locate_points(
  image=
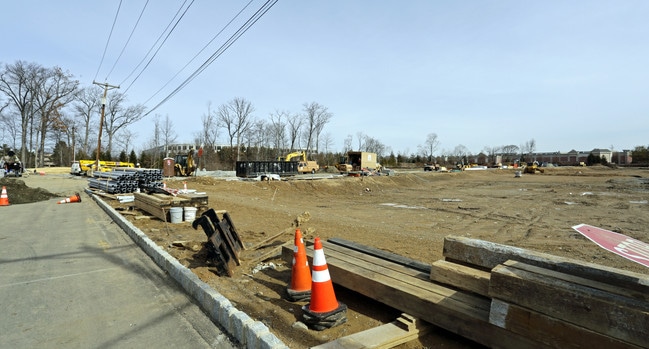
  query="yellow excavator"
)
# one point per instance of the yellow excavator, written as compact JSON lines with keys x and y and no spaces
{"x":533,"y":167}
{"x":301,"y":155}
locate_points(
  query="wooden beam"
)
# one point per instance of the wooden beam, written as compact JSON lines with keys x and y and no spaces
{"x":402,"y":330}
{"x":460,"y":276}
{"x":388,"y":256}
{"x":488,"y":255}
{"x":600,"y":311}
{"x":549,"y":330}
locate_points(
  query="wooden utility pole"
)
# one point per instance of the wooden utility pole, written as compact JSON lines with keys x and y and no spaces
{"x":101,"y":119}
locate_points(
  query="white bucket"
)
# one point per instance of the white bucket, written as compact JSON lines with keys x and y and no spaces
{"x":176,"y":214}
{"x":190,"y":213}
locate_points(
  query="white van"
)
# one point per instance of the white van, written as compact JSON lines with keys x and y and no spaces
{"x":75,"y":169}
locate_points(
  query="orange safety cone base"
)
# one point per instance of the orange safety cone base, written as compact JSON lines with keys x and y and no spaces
{"x":300,"y":287}
{"x":4,"y":198}
{"x":297,"y":296}
{"x":74,"y":198}
{"x":322,"y":321}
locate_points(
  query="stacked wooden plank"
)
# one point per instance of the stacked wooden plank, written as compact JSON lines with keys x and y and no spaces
{"x":501,"y":296}
{"x":556,"y":301}
{"x":402,"y":285}
{"x":158,"y":205}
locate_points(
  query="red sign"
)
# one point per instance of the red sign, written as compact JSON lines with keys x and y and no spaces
{"x":619,"y":244}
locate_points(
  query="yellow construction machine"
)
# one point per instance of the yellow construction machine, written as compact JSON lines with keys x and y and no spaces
{"x":300,"y":155}
{"x":184,"y":164}
{"x":533,"y":167}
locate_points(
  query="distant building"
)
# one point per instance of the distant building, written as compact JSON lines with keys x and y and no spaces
{"x":179,"y":148}
{"x":575,"y":157}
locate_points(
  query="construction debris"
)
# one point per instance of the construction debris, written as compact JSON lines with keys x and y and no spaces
{"x":223,"y":242}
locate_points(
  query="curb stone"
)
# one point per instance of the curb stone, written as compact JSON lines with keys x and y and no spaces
{"x":252,"y":334}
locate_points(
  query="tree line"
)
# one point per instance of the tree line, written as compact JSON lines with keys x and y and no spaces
{"x":45,"y":108}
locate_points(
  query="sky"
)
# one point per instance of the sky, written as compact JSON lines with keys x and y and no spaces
{"x":477,"y":73}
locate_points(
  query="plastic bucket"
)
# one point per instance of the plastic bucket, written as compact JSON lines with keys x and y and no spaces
{"x":190,"y":213}
{"x":176,"y":214}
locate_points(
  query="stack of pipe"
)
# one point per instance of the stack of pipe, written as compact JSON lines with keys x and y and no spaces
{"x":147,"y":178}
{"x":115,"y":182}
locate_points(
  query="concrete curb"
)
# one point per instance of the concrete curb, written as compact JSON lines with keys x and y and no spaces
{"x":252,"y":334}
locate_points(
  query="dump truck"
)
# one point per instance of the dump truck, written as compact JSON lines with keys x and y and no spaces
{"x":358,"y":162}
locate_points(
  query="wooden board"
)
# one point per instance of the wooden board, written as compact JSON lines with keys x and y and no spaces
{"x":400,"y":331}
{"x":597,"y":310}
{"x":388,"y":256}
{"x":460,"y":276}
{"x":487,"y":255}
{"x":549,"y":330}
{"x":410,"y":291}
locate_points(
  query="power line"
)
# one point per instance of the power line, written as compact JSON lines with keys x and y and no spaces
{"x":251,"y":21}
{"x":201,"y":51}
{"x":129,"y":39}
{"x":108,"y":41}
{"x":160,"y":46}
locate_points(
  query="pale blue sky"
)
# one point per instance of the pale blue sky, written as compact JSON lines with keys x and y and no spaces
{"x":568,"y":74}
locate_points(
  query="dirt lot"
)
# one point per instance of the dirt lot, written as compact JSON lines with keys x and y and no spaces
{"x":408,"y":214}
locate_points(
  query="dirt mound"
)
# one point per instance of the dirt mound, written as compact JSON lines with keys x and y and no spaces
{"x":19,"y":193}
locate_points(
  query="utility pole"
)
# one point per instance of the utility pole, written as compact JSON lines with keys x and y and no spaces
{"x":101,"y":120}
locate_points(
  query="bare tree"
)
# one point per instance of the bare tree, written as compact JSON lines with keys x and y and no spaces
{"x":87,"y":107}
{"x":209,"y":133}
{"x":316,"y":117}
{"x":20,"y":82}
{"x":11,"y":126}
{"x":278,"y":125}
{"x":347,"y":143}
{"x":57,"y":90}
{"x":360,"y":137}
{"x":373,"y":145}
{"x":530,"y":148}
{"x":461,"y":153}
{"x":429,"y":147}
{"x":155,"y":142}
{"x":118,"y":116}
{"x":168,"y":133}
{"x":236,"y":117}
{"x":294,"y":123}
{"x":125,"y":139}
{"x":509,"y":152}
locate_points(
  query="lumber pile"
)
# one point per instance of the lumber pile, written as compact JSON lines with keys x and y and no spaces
{"x":502,"y":296}
{"x":555,"y":301}
{"x":158,"y":204}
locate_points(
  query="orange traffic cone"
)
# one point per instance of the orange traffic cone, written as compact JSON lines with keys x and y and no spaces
{"x":300,"y":288}
{"x":4,"y":199}
{"x":324,"y":311}
{"x":73,"y":198}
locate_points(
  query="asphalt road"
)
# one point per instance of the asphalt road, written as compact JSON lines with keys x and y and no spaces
{"x":70,"y":278}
